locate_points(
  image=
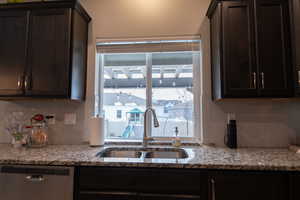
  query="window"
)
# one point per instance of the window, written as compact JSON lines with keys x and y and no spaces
{"x":119,"y":114}
{"x":140,"y":75}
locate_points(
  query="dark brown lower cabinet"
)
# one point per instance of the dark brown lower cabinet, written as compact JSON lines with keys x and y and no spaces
{"x":248,"y":186}
{"x":294,"y":186}
{"x":102,"y":183}
{"x":119,"y":183}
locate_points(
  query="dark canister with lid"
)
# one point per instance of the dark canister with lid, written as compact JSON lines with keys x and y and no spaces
{"x":231,"y":135}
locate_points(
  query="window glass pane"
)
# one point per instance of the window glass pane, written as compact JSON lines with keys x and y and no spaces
{"x":172,"y":96}
{"x":124,"y":95}
{"x":124,"y":98}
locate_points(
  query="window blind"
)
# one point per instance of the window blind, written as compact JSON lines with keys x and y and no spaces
{"x":148,"y":46}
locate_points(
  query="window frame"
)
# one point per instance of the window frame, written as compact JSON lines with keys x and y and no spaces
{"x":119,"y":114}
{"x":99,"y":108}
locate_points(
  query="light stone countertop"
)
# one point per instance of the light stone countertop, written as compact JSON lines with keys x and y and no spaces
{"x":202,"y":157}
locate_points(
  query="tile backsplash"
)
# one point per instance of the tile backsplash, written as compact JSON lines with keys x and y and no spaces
{"x":59,"y":133}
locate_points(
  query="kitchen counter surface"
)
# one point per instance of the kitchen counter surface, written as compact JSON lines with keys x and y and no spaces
{"x":202,"y":157}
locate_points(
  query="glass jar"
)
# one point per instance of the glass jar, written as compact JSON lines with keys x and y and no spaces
{"x":38,"y":137}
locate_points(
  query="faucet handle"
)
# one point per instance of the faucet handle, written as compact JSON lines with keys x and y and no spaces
{"x":155,"y":120}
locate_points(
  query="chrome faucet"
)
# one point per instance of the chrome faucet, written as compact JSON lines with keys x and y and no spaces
{"x":155,"y":122}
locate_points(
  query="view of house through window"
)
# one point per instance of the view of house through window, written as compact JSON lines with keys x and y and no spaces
{"x":128,"y":77}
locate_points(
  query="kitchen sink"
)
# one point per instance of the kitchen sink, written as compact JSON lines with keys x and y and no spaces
{"x":151,"y":153}
{"x":167,"y":154}
{"x":120,"y":153}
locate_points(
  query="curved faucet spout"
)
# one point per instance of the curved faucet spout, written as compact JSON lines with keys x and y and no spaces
{"x":155,"y":122}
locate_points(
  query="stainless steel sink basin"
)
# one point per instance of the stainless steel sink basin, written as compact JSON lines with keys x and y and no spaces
{"x":167,"y":154}
{"x":120,"y":153}
{"x":130,"y":152}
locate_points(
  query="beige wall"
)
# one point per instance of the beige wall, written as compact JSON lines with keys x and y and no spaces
{"x":146,"y":18}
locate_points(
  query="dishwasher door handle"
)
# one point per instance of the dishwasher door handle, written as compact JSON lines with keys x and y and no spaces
{"x":35,"y":178}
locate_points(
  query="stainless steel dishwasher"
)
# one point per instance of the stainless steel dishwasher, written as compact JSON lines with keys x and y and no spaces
{"x":36,"y":183}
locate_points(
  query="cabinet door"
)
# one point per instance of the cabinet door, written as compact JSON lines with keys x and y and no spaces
{"x":295,"y":182}
{"x":49,"y":57}
{"x":248,"y":186}
{"x":295,"y":16}
{"x":273,"y":48}
{"x":13,"y":39}
{"x":240,"y":72}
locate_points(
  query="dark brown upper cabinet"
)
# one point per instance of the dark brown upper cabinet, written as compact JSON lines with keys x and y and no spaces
{"x":13,"y":47}
{"x":45,"y":50}
{"x":49,"y":53}
{"x":295,"y":27}
{"x":250,"y":49}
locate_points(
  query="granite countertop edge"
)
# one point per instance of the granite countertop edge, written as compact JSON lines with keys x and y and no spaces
{"x":153,"y":165}
{"x":210,"y":158}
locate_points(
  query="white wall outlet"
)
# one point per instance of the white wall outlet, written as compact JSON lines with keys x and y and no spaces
{"x":51,"y":119}
{"x":70,"y":119}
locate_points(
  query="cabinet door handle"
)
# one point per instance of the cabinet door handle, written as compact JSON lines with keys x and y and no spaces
{"x":20,"y":82}
{"x":299,"y":77}
{"x":262,"y":80}
{"x":26,"y":82}
{"x":254,"y":79}
{"x":213,"y":189}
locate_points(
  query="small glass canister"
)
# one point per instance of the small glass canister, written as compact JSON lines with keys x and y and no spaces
{"x":38,"y":135}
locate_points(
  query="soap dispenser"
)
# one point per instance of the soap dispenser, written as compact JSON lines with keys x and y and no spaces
{"x":176,"y":142}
